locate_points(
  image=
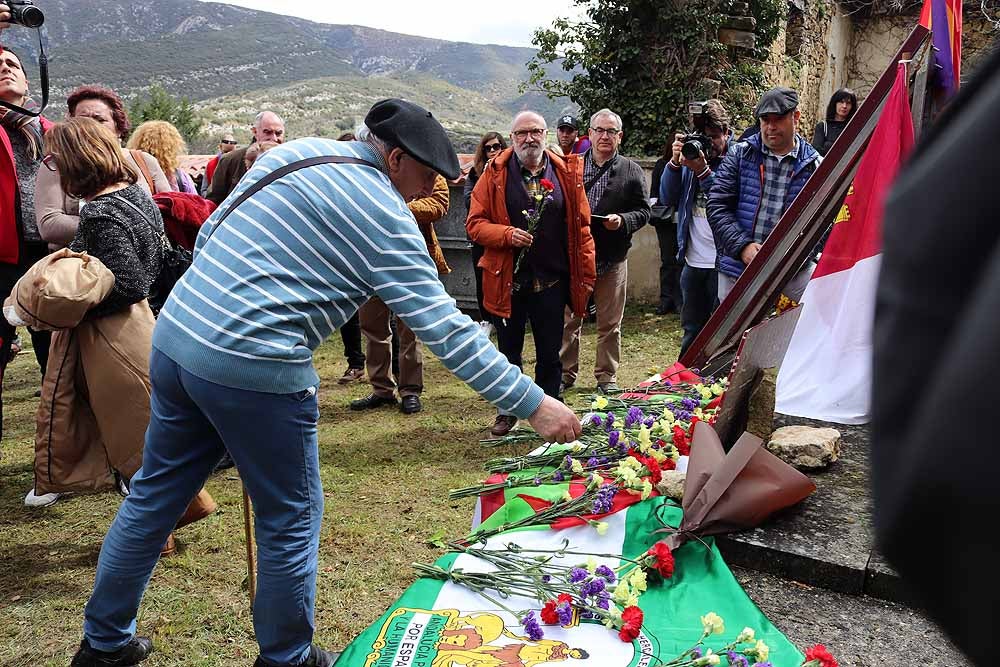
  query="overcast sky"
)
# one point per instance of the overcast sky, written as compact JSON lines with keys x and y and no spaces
{"x":508,"y":22}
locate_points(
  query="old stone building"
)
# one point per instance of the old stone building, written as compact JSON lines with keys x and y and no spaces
{"x":828,"y":45}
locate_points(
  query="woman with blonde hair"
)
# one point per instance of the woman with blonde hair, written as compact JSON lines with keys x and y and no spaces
{"x":99,"y":373}
{"x":162,"y":140}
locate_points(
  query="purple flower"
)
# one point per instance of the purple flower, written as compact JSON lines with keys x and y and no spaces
{"x":577,"y":574}
{"x":603,"y":500}
{"x":606,"y":572}
{"x":689,"y":403}
{"x":532,"y":626}
{"x":557,"y":476}
{"x":604,"y":460}
{"x":762,"y":664}
{"x":568,"y":462}
{"x":595,"y":420}
{"x":609,"y":420}
{"x":537,"y":481}
{"x":696,"y":652}
{"x":613,"y":437}
{"x":546,"y":578}
{"x":565,"y":612}
{"x":592,"y":587}
{"x":649,"y":421}
{"x":633,"y":416}
{"x":592,"y":462}
{"x":737,"y":660}
{"x":604,"y":601}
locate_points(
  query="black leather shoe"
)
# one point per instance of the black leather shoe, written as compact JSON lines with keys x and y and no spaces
{"x":372,"y":401}
{"x":129,"y":655}
{"x":317,"y":658}
{"x":410,"y":405}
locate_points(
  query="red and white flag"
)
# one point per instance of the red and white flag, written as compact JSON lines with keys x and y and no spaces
{"x":826,"y":373}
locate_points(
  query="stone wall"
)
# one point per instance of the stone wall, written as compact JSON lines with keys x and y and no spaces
{"x":876,"y":39}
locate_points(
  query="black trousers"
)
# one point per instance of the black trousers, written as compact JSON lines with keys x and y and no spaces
{"x":544,"y":311}
{"x":670,"y":269}
{"x":477,"y":254}
{"x":700,"y":289}
{"x":9,"y":275}
{"x":350,"y":333}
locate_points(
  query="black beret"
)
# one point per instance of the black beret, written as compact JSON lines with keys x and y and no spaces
{"x":568,"y":121}
{"x":777,"y":101}
{"x":416,"y":131}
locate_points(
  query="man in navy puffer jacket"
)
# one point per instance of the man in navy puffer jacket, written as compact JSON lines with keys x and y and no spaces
{"x":756,"y":182}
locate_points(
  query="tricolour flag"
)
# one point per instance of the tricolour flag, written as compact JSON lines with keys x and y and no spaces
{"x":826,"y":373}
{"x":944,"y":19}
{"x":441,"y":624}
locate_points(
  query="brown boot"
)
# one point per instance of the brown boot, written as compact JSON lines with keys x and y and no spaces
{"x":169,"y":547}
{"x":200,"y":507}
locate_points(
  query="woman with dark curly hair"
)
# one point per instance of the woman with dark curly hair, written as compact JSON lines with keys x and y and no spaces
{"x":59,"y":213}
{"x":839,"y":111}
{"x":491,"y":145}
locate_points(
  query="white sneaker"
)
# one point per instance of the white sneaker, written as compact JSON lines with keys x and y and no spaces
{"x":44,"y":500}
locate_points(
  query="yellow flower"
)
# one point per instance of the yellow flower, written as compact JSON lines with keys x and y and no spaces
{"x":644,"y":435}
{"x":713,"y":623}
{"x":762,"y":651}
{"x":698,"y":413}
{"x":624,"y":473}
{"x":632,"y":462}
{"x":637,"y":580}
{"x":599,"y":403}
{"x":622,"y":593}
{"x":591,"y":565}
{"x":601,"y":527}
{"x":658,"y":455}
{"x":566,"y":496}
{"x":647,"y":489}
{"x":718,"y":389}
{"x":577,"y":467}
{"x":596,"y":481}
{"x":712,"y":658}
{"x":746,"y":636}
{"x":668,"y":416}
{"x":705,"y":392}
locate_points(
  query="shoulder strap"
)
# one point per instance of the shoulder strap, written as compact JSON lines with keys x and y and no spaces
{"x":596,"y":177}
{"x":284,"y":171}
{"x":144,"y":168}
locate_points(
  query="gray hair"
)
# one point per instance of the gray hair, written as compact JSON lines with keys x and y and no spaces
{"x":364,"y":133}
{"x":606,"y":112}
{"x":260,"y":117}
{"x":524,"y":113}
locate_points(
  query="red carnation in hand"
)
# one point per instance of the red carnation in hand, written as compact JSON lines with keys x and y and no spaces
{"x":818,"y":656}
{"x":664,"y":562}
{"x":547,"y":184}
{"x":631,"y":624}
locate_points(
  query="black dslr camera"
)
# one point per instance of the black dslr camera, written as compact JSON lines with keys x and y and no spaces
{"x":25,"y":13}
{"x":696,"y":142}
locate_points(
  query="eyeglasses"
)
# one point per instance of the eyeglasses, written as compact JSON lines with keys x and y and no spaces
{"x":536,"y":133}
{"x":49,"y":161}
{"x":489,"y":148}
{"x":610,"y":131}
{"x":228,"y":142}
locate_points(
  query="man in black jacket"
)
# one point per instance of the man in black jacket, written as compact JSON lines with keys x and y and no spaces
{"x":616,"y":190}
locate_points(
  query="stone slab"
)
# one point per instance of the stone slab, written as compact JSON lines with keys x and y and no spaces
{"x":826,"y":540}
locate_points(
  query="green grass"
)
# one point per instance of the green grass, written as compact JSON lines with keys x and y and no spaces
{"x":386,"y":478}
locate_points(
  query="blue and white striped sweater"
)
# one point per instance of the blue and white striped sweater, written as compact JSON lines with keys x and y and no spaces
{"x":296,"y":260}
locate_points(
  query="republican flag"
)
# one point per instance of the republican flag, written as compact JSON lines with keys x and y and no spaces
{"x":826,"y":373}
{"x":944,"y":19}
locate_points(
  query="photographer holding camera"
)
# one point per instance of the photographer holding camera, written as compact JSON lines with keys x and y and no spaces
{"x":685,"y":184}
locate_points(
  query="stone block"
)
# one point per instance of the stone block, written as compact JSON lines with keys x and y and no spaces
{"x":760,"y":419}
{"x":747,"y":23}
{"x":738,"y":38}
{"x":672,"y":484}
{"x":805,"y":447}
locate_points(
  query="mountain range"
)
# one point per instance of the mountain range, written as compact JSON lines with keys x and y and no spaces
{"x":232,"y":61}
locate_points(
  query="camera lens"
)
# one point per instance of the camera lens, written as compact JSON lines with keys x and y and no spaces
{"x":29,"y":17}
{"x":691,"y":150}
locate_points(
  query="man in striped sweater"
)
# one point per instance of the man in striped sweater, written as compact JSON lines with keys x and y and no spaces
{"x":277,"y":269}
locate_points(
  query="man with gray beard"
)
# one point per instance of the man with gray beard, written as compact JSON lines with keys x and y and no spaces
{"x":530,"y":213}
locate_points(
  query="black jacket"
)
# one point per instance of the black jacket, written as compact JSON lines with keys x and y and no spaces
{"x":229,"y":172}
{"x":624,"y":195}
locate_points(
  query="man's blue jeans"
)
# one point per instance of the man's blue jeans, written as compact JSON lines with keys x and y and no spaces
{"x":699,"y":287}
{"x":272,"y":438}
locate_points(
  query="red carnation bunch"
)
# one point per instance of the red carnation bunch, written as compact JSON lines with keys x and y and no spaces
{"x":818,"y":656}
{"x":547,"y":184}
{"x":549,"y":614}
{"x":663,"y":559}
{"x":681,"y":441}
{"x":631,"y":624}
{"x":668,"y":464}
